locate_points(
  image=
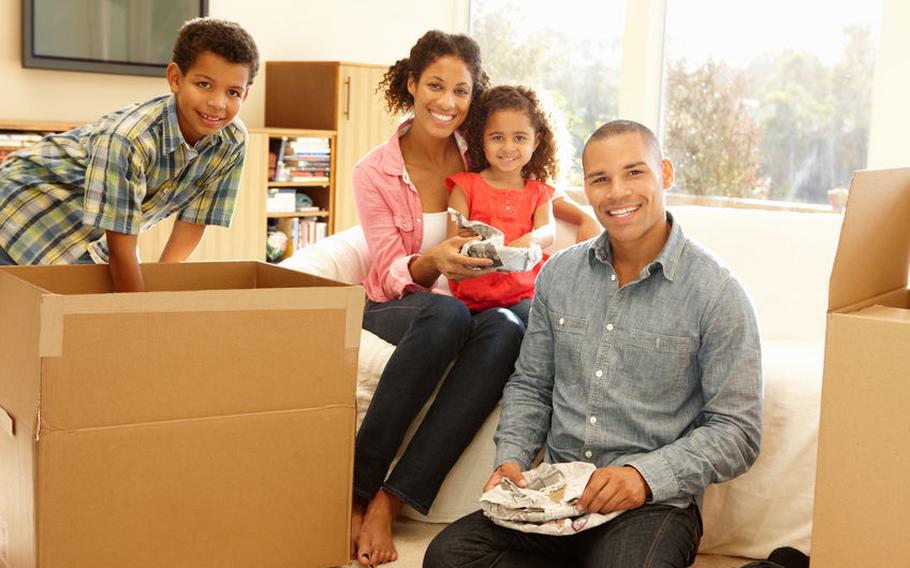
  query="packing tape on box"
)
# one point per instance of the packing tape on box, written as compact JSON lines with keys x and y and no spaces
{"x":55,"y":307}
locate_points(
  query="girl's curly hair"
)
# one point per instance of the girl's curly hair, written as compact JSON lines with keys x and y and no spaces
{"x":543,"y":165}
{"x":430,"y":47}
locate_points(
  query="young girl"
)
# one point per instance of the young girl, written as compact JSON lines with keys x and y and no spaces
{"x":512,"y":153}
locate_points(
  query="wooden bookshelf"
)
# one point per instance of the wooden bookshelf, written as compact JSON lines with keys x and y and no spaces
{"x":333,"y":95}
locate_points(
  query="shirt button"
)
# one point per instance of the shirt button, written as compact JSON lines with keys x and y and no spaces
{"x":593,"y":420}
{"x":562,"y":321}
{"x":599,"y":373}
{"x":588,"y":454}
{"x":613,"y":277}
{"x":419,"y":220}
{"x":609,"y":327}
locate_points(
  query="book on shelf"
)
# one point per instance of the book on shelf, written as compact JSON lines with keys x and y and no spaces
{"x":302,"y":159}
{"x":300,"y":232}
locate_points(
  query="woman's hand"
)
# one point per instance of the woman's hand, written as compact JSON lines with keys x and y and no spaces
{"x":448,"y":260}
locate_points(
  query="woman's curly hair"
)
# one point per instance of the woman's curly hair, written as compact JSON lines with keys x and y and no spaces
{"x":543,"y":164}
{"x":221,"y":37}
{"x":430,"y":47}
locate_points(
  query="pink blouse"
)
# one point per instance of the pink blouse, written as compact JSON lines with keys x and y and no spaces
{"x":392,"y":218}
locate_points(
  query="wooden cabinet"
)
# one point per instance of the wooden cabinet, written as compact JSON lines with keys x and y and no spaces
{"x":332,"y":95}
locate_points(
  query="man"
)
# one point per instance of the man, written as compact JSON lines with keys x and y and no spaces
{"x":641,"y":357}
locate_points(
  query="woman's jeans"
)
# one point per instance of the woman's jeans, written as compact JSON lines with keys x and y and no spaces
{"x":429,"y":332}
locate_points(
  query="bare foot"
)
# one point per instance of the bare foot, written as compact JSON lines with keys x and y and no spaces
{"x":374,"y":545}
{"x":358,"y":510}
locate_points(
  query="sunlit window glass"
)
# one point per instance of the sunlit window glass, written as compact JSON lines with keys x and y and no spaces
{"x":768,"y":100}
{"x":568,"y":51}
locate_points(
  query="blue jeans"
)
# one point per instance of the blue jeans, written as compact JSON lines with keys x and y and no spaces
{"x":652,"y":536}
{"x":429,"y":332}
{"x":5,"y":260}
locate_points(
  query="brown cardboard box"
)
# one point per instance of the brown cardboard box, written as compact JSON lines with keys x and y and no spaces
{"x":862,"y":498}
{"x":207,"y":422}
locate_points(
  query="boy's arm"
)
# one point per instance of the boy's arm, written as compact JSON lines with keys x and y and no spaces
{"x":566,"y":210}
{"x":124,"y":262}
{"x":184,"y":239}
{"x":544,"y":231}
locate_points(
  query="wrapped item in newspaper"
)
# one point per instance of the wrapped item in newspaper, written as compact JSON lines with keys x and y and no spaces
{"x":492,"y":246}
{"x":547,"y":504}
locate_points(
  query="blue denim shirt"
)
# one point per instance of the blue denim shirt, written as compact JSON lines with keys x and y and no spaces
{"x":663,"y":374}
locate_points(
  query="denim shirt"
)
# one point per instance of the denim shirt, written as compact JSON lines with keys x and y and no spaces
{"x":663,"y":374}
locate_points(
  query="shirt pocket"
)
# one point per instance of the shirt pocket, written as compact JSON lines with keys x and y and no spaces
{"x":569,"y":333}
{"x":657,"y":366}
{"x":403,"y":223}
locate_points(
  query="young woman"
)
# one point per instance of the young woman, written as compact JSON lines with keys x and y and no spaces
{"x":401,"y":197}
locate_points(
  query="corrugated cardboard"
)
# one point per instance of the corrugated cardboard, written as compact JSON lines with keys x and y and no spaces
{"x":206,"y":422}
{"x":862,"y":498}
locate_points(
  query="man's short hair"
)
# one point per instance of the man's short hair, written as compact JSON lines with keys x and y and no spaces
{"x":618,"y":127}
{"x":222,"y":37}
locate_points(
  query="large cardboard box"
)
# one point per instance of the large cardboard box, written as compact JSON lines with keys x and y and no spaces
{"x":207,"y":422}
{"x":862,"y":497}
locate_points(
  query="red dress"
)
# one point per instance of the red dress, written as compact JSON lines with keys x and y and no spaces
{"x":512,"y":212}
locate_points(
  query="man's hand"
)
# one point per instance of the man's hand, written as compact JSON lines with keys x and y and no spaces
{"x":614,"y":489}
{"x":510,"y":470}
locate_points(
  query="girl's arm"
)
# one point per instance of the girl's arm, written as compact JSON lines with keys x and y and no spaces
{"x":459,"y":202}
{"x":544,"y":228}
{"x":566,"y":210}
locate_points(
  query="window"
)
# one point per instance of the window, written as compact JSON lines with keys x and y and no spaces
{"x":569,"y":52}
{"x":768,"y":100}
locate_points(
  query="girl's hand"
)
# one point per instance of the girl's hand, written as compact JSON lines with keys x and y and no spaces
{"x":449,"y":261}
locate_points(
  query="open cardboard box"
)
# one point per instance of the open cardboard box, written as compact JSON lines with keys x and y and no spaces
{"x":862,"y":497}
{"x":206,"y":422}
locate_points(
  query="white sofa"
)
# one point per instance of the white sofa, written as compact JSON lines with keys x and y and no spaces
{"x":784,"y":260}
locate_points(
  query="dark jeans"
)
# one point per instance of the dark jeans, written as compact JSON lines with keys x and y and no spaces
{"x":429,"y":332}
{"x":5,"y":260}
{"x":653,"y":536}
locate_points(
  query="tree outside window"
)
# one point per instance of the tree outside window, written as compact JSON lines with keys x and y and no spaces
{"x":768,"y":100}
{"x":569,"y":52}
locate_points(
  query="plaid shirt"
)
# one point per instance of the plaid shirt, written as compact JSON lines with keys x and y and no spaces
{"x":125,"y":173}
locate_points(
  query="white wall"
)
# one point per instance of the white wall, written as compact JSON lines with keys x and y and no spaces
{"x":348,"y":30}
{"x":890,"y":122}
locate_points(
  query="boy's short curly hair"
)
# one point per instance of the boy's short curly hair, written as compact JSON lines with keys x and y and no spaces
{"x":430,"y":47}
{"x":543,"y":165}
{"x":221,"y":37}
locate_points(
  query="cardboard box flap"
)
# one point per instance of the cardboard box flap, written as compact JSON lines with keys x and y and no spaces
{"x":873,"y":252}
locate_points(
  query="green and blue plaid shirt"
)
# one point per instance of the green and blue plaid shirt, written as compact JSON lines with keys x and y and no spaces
{"x":125,"y":173}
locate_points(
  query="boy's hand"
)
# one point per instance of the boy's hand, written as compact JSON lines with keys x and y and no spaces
{"x":123,"y":262}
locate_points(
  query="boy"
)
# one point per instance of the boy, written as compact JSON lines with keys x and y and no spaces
{"x":83,"y":196}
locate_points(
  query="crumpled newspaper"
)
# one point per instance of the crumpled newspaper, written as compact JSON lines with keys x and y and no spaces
{"x":547,"y":504}
{"x":492,"y":246}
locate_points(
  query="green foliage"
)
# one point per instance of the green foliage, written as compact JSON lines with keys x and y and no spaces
{"x":709,"y":131}
{"x":788,"y":127}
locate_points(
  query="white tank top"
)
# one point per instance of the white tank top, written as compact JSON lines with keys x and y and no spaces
{"x":434,"y":229}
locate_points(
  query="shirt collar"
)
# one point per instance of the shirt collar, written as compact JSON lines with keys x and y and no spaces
{"x":667,"y":259}
{"x":172,"y":137}
{"x":392,"y":160}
